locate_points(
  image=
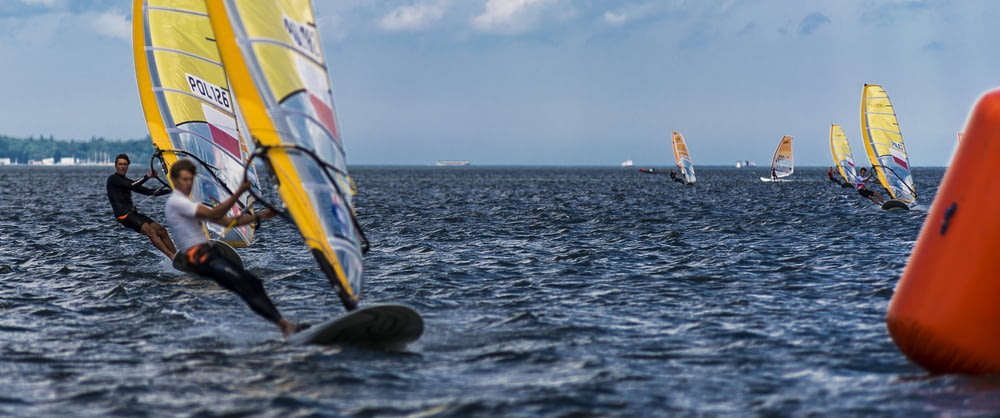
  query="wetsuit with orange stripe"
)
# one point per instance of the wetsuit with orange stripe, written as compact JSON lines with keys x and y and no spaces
{"x":120,"y":190}
{"x":205,"y":260}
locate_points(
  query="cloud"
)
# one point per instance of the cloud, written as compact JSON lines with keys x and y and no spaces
{"x":934,"y":46}
{"x":887,"y":13}
{"x":509,"y":16}
{"x":414,"y":17}
{"x":812,"y":22}
{"x":113,"y":25}
{"x":614,"y":18}
{"x":46,"y":3}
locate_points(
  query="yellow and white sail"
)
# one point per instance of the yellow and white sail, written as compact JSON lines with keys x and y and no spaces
{"x":187,"y":103}
{"x":682,"y":157}
{"x":884,"y":143}
{"x":783,"y":163}
{"x":272,"y":55}
{"x":841,"y":151}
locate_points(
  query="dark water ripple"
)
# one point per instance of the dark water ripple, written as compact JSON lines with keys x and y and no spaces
{"x":546,"y":291}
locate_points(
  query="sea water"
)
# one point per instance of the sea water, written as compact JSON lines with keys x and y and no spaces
{"x":546,"y":291}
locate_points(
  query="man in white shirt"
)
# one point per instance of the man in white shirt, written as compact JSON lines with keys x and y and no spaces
{"x":184,"y":216}
{"x":859,"y":183}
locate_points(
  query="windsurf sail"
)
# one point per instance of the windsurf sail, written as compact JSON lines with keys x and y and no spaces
{"x":272,"y":55}
{"x":187,"y":103}
{"x":683,"y":157}
{"x":842,"y":156}
{"x":782,"y":164}
{"x":884,"y":144}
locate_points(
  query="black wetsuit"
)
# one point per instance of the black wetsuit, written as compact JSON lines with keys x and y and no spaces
{"x":120,"y":190}
{"x":205,"y":260}
{"x":832,"y":178}
{"x":673,"y":176}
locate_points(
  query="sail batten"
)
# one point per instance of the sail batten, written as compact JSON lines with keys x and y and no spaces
{"x":884,"y":144}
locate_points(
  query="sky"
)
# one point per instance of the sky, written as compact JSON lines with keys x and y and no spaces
{"x":558,"y":82}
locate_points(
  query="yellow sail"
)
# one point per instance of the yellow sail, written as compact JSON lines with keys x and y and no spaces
{"x":682,"y":157}
{"x":782,"y":163}
{"x":275,"y":64}
{"x":187,"y":104}
{"x":884,"y":144}
{"x":841,"y":151}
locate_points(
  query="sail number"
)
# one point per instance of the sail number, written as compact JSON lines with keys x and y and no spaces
{"x":305,"y":37}
{"x":210,"y":92}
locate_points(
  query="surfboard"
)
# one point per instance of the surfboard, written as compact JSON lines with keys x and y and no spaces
{"x":894,"y":204}
{"x":180,"y":260}
{"x":387,"y":326}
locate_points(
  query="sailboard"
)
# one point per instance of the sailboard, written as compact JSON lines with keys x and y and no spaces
{"x":384,"y":326}
{"x":653,"y":171}
{"x":683,"y":157}
{"x":884,"y":144}
{"x":782,"y":163}
{"x":188,"y":107}
{"x":275,"y":64}
{"x":842,"y":156}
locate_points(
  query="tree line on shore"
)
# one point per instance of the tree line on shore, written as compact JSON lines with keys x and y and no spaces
{"x":97,"y":149}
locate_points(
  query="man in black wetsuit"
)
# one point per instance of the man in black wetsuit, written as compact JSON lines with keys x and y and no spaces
{"x":675,"y":177}
{"x":829,"y":174}
{"x":120,"y":190}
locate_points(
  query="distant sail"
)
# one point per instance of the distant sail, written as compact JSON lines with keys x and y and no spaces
{"x":884,"y":144}
{"x":186,"y":100}
{"x":272,"y":54}
{"x":842,"y":156}
{"x":782,"y":164}
{"x":682,"y":157}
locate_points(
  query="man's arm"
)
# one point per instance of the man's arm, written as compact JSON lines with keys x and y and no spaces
{"x":137,"y":186}
{"x":217,"y":214}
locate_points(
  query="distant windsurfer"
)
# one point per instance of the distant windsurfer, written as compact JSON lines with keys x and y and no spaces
{"x":120,"y":190}
{"x":674,"y":177}
{"x":774,"y":174}
{"x":859,"y":183}
{"x":829,"y":173}
{"x":185,"y":218}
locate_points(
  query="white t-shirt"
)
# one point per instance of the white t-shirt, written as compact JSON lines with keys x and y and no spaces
{"x":185,"y":228}
{"x":859,"y":181}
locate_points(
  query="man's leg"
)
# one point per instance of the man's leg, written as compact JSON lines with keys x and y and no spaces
{"x":237,"y":280}
{"x":150,"y":231}
{"x":165,"y":237}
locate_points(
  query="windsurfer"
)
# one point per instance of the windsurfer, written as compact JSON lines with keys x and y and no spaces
{"x":120,"y":190}
{"x":673,"y":176}
{"x":185,"y":216}
{"x":859,"y":183}
{"x":829,"y":173}
{"x":774,"y":174}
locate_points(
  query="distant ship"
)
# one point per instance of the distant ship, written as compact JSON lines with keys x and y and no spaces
{"x":627,"y":163}
{"x":746,"y":163}
{"x":451,"y":163}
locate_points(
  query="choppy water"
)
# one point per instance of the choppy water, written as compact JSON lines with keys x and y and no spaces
{"x":546,"y":292}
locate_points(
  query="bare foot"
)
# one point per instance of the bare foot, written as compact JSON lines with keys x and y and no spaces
{"x":287,"y":327}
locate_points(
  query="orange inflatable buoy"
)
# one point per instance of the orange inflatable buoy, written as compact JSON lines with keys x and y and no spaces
{"x":945,"y":313}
